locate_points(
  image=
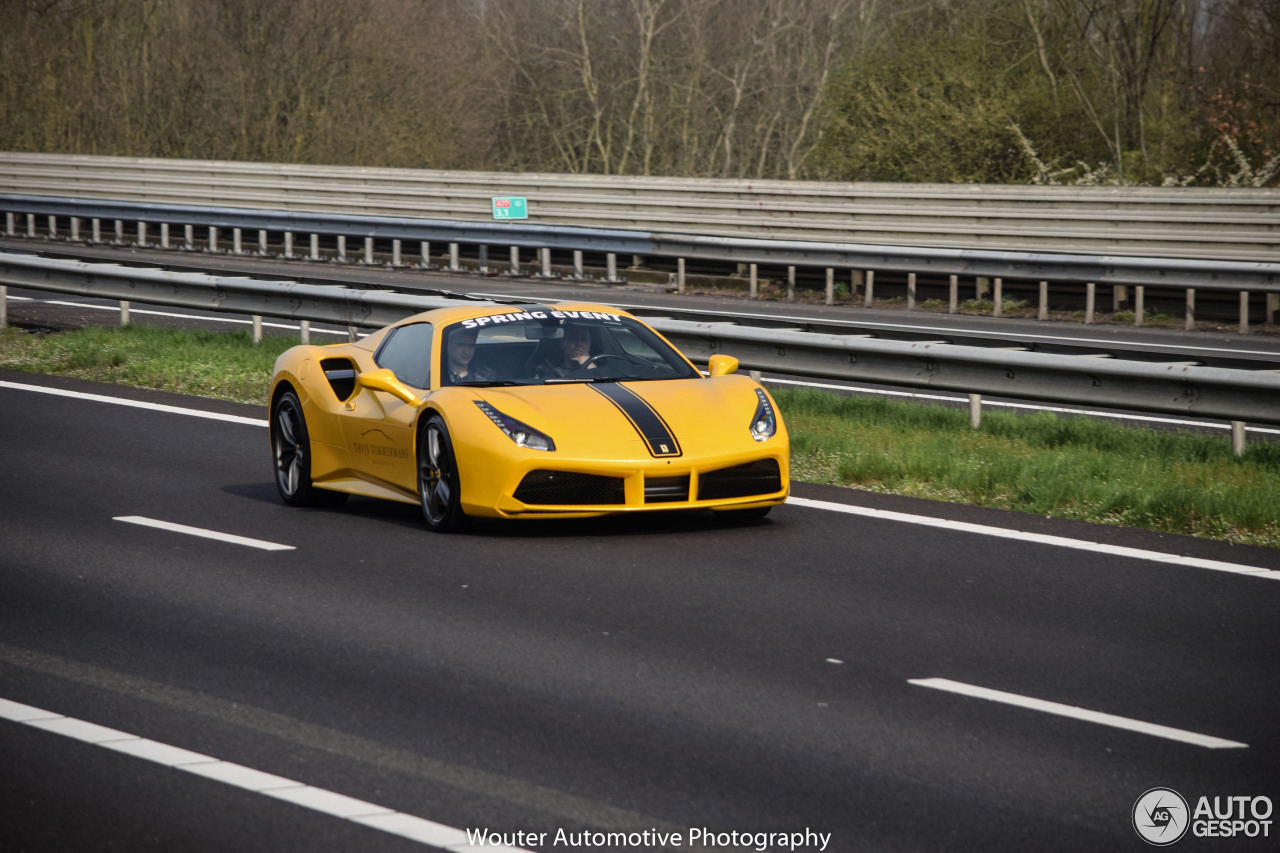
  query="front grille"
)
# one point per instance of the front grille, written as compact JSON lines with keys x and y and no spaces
{"x":761,"y":477}
{"x":659,"y":490}
{"x":567,"y":488}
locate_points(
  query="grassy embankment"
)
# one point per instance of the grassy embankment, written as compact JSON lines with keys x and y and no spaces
{"x":1071,"y":467}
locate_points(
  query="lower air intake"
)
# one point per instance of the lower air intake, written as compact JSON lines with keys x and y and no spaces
{"x":565,"y":488}
{"x":659,"y":490}
{"x":762,"y":477}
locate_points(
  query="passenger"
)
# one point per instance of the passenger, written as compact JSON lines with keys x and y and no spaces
{"x":460,"y":351}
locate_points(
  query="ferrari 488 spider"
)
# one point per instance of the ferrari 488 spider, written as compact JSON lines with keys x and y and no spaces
{"x":530,"y":411}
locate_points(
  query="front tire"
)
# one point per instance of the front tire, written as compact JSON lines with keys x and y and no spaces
{"x":439,"y":488}
{"x":291,"y":456}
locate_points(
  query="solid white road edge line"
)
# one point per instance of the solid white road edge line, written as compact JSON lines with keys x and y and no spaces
{"x":210,"y":317}
{"x":246,"y":778}
{"x":137,"y":404}
{"x":1072,"y":711}
{"x":201,"y":532}
{"x":1041,"y":539}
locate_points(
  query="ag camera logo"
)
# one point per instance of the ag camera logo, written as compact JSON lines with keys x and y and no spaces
{"x":1160,"y":816}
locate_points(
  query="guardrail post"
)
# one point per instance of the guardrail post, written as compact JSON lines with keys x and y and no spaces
{"x":124,"y":312}
{"x":911,"y":291}
{"x":611,"y":268}
{"x":578,"y":272}
{"x":1090,"y":301}
{"x":680,"y":275}
{"x":368,"y":250}
{"x":791,"y":284}
{"x":9,"y":223}
{"x":288,"y":244}
{"x":257,"y":328}
{"x":164,"y":235}
{"x":75,"y":229}
{"x":395,"y":253}
{"x":544,"y":255}
{"x":1191,"y":309}
{"x":424,"y":254}
{"x":189,"y":236}
{"x":1237,"y":438}
{"x":954,"y":306}
{"x":119,"y":232}
{"x":1119,"y":296}
{"x":871,"y":283}
{"x":53,"y":226}
{"x":1139,"y":305}
{"x":981,"y":287}
{"x":237,"y":241}
{"x":304,"y":331}
{"x":1044,"y":301}
{"x":975,"y":411}
{"x":213,"y":238}
{"x":97,"y":230}
{"x":513,"y":269}
{"x":831,"y":286}
{"x":31,"y":225}
{"x":753,"y":282}
{"x":342,"y":248}
{"x":142,"y":234}
{"x":1244,"y":312}
{"x":483,"y":252}
{"x":262,"y":242}
{"x":315,"y":247}
{"x":997,"y":298}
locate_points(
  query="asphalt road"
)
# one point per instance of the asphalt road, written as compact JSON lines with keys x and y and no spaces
{"x":668,"y":673}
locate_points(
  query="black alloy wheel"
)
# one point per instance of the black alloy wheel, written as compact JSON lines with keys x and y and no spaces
{"x":439,"y":488}
{"x":291,"y":455}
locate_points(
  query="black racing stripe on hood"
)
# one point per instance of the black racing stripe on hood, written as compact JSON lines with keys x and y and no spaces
{"x":652,"y":428}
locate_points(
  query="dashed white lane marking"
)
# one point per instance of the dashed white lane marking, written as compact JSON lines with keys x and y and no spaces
{"x":137,"y":404}
{"x":1041,"y":539}
{"x":1058,"y":541}
{"x":246,"y":778}
{"x":203,"y":533}
{"x":1072,"y":711}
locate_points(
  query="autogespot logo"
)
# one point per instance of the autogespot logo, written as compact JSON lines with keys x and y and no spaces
{"x":1160,"y":816}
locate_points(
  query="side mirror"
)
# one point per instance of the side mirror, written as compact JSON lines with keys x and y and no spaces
{"x":721,"y":365}
{"x":385,"y":380}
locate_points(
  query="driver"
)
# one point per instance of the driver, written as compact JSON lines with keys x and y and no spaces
{"x":575,"y":352}
{"x":459,"y":353}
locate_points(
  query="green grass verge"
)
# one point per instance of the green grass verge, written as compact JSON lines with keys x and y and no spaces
{"x":1069,"y":467}
{"x":225,"y":365}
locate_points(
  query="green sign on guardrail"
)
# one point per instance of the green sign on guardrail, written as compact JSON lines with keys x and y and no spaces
{"x":511,"y":208}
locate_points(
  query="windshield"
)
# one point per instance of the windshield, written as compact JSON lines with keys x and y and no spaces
{"x":545,"y":347}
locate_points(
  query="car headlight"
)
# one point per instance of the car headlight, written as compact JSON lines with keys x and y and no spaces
{"x":521,"y":433}
{"x":764,"y":423}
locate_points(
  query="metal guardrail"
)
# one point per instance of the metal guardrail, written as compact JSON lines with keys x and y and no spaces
{"x":1176,"y":388}
{"x":1250,"y":276}
{"x":1165,"y":222}
{"x":1244,"y":278}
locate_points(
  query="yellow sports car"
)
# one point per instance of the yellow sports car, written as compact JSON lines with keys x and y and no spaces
{"x":532,"y":411}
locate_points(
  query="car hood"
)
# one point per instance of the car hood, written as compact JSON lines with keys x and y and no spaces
{"x":584,"y":417}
